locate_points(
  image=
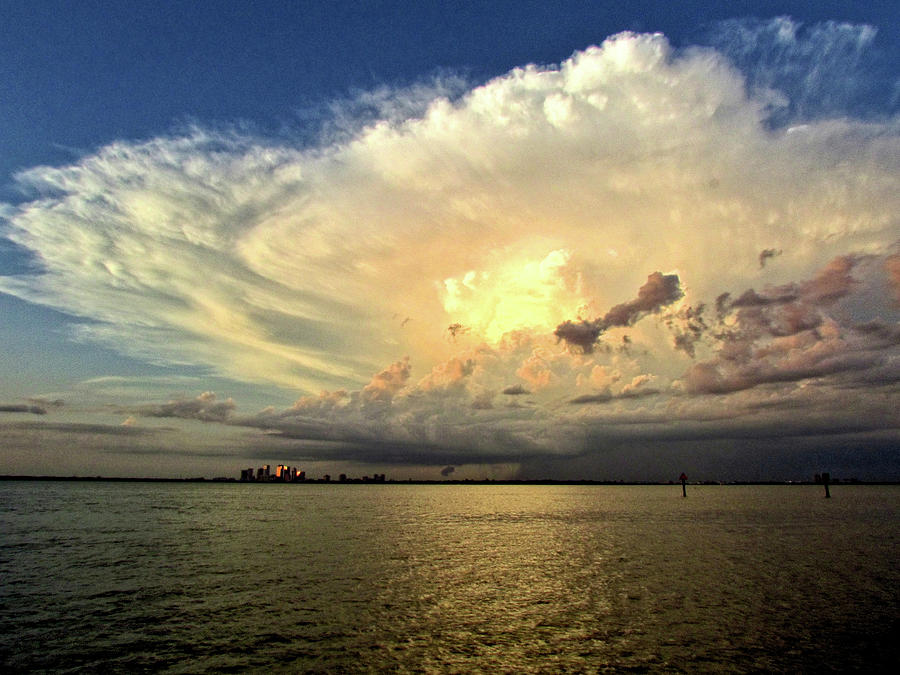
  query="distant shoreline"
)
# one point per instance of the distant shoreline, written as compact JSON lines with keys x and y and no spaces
{"x":359,"y":481}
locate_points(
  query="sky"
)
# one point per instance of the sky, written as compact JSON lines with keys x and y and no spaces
{"x":611,"y":241}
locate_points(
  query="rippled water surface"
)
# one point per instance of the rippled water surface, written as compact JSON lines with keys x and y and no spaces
{"x":236,"y":577}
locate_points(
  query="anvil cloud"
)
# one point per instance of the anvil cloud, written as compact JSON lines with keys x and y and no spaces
{"x":649,"y":233}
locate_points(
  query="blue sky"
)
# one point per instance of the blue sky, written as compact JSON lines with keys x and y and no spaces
{"x":389,"y":244}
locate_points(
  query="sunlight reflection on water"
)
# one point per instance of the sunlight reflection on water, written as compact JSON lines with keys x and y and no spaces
{"x":190,"y":577}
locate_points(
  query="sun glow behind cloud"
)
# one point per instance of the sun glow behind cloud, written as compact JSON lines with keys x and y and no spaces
{"x":543,"y":196}
{"x":515,"y":294}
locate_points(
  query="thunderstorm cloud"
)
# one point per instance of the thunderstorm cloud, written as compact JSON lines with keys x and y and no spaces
{"x":507,"y":213}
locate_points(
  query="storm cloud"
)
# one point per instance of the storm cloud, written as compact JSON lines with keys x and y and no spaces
{"x":490,"y":218}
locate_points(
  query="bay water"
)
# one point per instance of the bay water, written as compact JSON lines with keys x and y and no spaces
{"x":231,"y":577}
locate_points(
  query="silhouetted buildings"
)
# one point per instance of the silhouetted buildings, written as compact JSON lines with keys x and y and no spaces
{"x":292,"y":474}
{"x":283,"y":474}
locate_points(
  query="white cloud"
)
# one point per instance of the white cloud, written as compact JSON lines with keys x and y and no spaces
{"x":544,"y":195}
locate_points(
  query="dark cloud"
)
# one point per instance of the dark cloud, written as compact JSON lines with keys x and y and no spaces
{"x":19,"y":408}
{"x":85,"y":429}
{"x":395,"y":452}
{"x":744,"y":459}
{"x":447,"y":470}
{"x":688,"y":325}
{"x":606,"y":396}
{"x":205,"y":407}
{"x":766,"y":425}
{"x":766,"y":254}
{"x":582,"y":334}
{"x":601,"y":397}
{"x":750,"y":298}
{"x":888,"y":334}
{"x":456,"y":329}
{"x":46,"y":403}
{"x":638,"y":392}
{"x":515,"y":390}
{"x":659,"y":291}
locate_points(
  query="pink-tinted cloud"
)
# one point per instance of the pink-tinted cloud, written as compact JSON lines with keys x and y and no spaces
{"x":385,"y":385}
{"x":786,"y":334}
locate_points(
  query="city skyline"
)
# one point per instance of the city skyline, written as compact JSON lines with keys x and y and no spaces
{"x":507,"y":242}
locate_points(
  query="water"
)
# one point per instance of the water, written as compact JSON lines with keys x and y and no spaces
{"x":241,"y":577}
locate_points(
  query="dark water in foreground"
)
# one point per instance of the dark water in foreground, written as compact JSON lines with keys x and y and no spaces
{"x":212,"y":577}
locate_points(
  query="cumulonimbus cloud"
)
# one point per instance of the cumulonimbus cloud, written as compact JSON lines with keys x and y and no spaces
{"x":543,"y":194}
